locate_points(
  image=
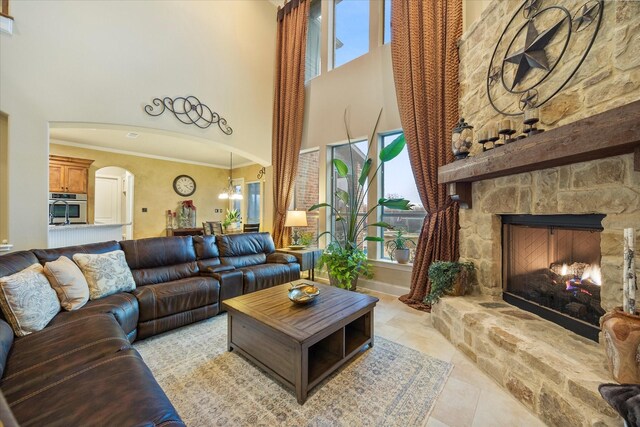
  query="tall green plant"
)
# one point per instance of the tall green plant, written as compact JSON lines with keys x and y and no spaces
{"x":356,"y":196}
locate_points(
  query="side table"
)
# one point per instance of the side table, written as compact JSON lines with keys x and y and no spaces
{"x":307,"y":258}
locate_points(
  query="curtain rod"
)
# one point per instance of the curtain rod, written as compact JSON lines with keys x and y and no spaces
{"x":287,"y":8}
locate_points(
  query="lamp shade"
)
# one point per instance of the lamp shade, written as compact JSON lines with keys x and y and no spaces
{"x":296,"y":219}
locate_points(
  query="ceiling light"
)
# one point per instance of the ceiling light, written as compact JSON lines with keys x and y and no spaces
{"x":230,"y":192}
{"x":132,"y":135}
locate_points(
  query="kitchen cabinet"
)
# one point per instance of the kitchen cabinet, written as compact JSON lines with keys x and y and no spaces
{"x":68,"y":174}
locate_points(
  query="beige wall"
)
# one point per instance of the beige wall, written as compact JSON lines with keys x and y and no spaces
{"x":4,"y":197}
{"x":93,"y":62}
{"x":471,"y":11}
{"x":154,"y":187}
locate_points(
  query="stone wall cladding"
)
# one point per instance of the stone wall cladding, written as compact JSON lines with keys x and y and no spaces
{"x":552,"y":371}
{"x":609,"y":77}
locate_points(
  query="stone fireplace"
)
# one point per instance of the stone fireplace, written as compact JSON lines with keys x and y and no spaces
{"x":551,"y":267}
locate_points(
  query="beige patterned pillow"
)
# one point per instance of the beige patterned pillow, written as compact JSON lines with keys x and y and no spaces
{"x":68,"y":282}
{"x":106,"y":274}
{"x":27,"y":300}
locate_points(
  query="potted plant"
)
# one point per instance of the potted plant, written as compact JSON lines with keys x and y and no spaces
{"x":344,"y":257}
{"x":231,"y":217}
{"x":397,"y":247}
{"x":448,"y":278}
{"x":306,"y":238}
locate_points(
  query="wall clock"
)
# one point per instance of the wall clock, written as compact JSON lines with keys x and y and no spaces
{"x":541,"y":48}
{"x":184,"y":185}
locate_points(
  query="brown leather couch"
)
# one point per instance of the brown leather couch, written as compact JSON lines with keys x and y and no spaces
{"x":82,"y":370}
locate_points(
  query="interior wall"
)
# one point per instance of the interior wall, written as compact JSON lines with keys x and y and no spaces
{"x":4,"y":187}
{"x":471,"y":11}
{"x":101,"y":62}
{"x":153,"y":187}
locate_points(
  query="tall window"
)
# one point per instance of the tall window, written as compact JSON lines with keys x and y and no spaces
{"x":343,"y":153}
{"x":386,"y":30}
{"x":350,"y":30}
{"x":307,"y":191}
{"x":314,"y":28}
{"x":253,"y":203}
{"x":398,"y":182}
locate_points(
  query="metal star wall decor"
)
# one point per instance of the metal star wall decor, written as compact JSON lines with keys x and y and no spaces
{"x":533,"y":54}
{"x":586,"y":15}
{"x":529,"y":57}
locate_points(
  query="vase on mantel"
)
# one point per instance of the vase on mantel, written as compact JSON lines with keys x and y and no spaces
{"x":621,"y":341}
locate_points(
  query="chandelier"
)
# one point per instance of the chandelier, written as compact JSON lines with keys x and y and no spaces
{"x":229,"y":192}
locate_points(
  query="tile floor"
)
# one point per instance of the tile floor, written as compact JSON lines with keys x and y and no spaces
{"x":470,"y":397}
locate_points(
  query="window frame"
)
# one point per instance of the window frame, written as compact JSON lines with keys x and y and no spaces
{"x":332,"y":37}
{"x":381,"y":193}
{"x":331,"y":189}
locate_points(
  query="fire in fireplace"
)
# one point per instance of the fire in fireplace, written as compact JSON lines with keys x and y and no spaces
{"x":551,"y":267}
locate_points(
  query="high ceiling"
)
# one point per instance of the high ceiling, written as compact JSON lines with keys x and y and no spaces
{"x":147,"y":143}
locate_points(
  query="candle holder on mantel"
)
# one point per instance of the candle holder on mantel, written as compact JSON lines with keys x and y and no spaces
{"x":482,"y":139}
{"x":531,"y":117}
{"x":492,"y":135}
{"x":505,"y":128}
{"x":462,"y":139}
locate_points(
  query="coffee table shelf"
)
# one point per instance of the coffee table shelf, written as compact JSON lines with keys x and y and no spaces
{"x":300,"y":345}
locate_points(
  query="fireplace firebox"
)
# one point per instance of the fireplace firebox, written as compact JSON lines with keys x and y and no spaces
{"x":551,"y":267}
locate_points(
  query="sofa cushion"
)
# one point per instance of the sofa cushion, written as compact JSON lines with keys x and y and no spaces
{"x":58,"y":351}
{"x":246,"y":249}
{"x":27,"y":300}
{"x":123,"y":306}
{"x":106,"y":273}
{"x":15,"y":262}
{"x":48,"y":255}
{"x":160,"y":259}
{"x":116,"y":390}
{"x":207,"y":252}
{"x":264,"y":276}
{"x":69,"y":283}
{"x":167,"y":323}
{"x":6,"y":341}
{"x":177,"y":296}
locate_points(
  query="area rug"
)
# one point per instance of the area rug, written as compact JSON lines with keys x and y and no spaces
{"x":388,"y":385}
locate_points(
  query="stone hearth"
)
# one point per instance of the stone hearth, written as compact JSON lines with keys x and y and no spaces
{"x":552,"y":371}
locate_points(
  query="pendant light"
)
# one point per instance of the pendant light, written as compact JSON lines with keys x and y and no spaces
{"x":229,"y":192}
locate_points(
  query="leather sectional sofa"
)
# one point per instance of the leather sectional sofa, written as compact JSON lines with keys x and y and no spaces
{"x":82,"y":369}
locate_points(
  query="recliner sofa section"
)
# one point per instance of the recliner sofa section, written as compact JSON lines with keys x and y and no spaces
{"x":86,"y":355}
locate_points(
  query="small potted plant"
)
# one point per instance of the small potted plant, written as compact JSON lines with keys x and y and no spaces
{"x":232,"y":217}
{"x":448,"y":278}
{"x":397,"y":247}
{"x":344,"y":265}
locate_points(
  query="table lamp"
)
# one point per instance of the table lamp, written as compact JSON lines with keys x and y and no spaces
{"x":295,"y":219}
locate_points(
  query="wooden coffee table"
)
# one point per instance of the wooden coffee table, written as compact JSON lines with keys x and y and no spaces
{"x":300,"y":345}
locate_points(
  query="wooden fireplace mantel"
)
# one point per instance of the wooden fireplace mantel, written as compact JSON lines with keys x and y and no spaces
{"x":614,"y":132}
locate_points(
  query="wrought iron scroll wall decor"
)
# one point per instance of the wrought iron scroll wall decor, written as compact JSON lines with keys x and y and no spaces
{"x":261,"y":173}
{"x":535,"y":55}
{"x":190,"y":111}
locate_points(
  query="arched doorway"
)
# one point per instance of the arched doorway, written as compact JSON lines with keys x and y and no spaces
{"x":114,"y":198}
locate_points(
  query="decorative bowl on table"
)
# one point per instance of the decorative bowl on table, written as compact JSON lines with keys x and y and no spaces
{"x":303,"y":292}
{"x":297,"y":247}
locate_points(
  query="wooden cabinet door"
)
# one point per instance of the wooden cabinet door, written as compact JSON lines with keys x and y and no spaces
{"x":76,"y":179}
{"x":56,"y":178}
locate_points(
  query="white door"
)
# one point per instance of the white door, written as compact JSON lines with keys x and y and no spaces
{"x":108,"y":206}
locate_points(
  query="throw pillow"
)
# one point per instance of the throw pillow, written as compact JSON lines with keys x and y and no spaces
{"x":106,"y":274}
{"x":27,"y":300}
{"x":68,"y":282}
